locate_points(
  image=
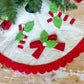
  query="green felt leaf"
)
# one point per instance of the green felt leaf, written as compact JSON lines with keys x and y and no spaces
{"x":20,"y":36}
{"x":3,"y":17}
{"x":29,"y":26}
{"x":53,"y":7}
{"x":51,"y":44}
{"x":44,"y":36}
{"x":57,"y":21}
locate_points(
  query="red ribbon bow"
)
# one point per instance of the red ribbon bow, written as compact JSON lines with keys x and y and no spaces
{"x":39,"y":45}
{"x":6,"y":25}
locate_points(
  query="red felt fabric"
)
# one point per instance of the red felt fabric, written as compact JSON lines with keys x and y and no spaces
{"x":25,"y":37}
{"x":66,"y":17}
{"x":60,"y":14}
{"x":22,"y":42}
{"x":60,"y":46}
{"x":20,"y":27}
{"x":52,"y":37}
{"x":68,"y":58}
{"x":37,"y":44}
{"x":20,"y":46}
{"x":72,"y":21}
{"x":79,"y":1}
{"x":23,"y":29}
{"x":38,"y":52}
{"x":49,"y":20}
{"x":6,"y":25}
{"x":51,"y":14}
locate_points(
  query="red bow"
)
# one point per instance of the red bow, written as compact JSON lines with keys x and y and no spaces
{"x":37,"y":44}
{"x":6,"y":25}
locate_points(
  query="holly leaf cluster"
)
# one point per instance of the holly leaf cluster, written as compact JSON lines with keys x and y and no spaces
{"x":56,"y":20}
{"x":44,"y":39}
{"x":28,"y":27}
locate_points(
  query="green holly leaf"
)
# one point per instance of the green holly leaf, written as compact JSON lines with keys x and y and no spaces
{"x":20,"y":36}
{"x":57,"y":21}
{"x":29,"y":26}
{"x":51,"y":44}
{"x":3,"y":17}
{"x":53,"y":7}
{"x":44,"y":36}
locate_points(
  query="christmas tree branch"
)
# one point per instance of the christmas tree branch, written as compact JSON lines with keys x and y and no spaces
{"x":64,"y":5}
{"x":9,"y":7}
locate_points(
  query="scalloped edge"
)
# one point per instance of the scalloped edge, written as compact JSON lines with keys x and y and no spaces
{"x":28,"y":69}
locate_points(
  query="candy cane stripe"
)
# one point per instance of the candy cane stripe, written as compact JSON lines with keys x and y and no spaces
{"x":23,"y":29}
{"x":25,"y":37}
{"x":20,"y":27}
{"x":51,"y":14}
{"x":66,"y":17}
{"x":72,"y":21}
{"x":60,"y":14}
{"x":49,"y":20}
{"x":22,"y":42}
{"x":20,"y":46}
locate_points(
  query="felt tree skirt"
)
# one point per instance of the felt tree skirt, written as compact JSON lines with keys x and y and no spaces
{"x":40,"y":45}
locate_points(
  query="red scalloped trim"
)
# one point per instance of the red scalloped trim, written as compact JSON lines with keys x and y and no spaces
{"x":68,"y":58}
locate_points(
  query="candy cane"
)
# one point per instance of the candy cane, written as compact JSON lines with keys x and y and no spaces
{"x":22,"y":42}
{"x":63,"y":16}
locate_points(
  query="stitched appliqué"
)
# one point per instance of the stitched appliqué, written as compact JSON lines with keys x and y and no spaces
{"x":21,"y":36}
{"x":64,"y":17}
{"x":49,"y":43}
{"x":22,"y":41}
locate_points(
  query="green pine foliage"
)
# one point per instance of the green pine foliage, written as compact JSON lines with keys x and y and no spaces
{"x":21,"y":2}
{"x":35,"y":4}
{"x":9,"y":7}
{"x":64,"y":5}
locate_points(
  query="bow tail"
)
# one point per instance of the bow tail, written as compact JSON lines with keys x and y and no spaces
{"x":38,"y":52}
{"x":60,"y":46}
{"x":37,"y":44}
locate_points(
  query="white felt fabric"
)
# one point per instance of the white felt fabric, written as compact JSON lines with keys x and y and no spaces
{"x":71,"y":35}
